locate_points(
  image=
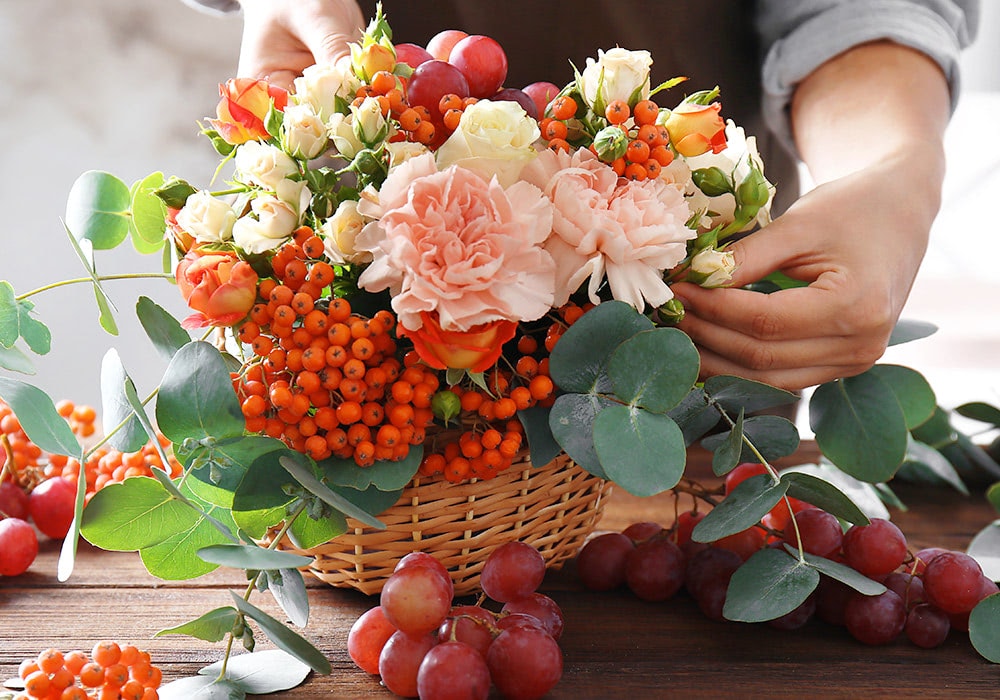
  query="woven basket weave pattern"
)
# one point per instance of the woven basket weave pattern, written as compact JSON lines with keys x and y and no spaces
{"x":554,"y":508}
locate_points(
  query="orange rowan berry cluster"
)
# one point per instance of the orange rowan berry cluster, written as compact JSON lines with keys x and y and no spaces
{"x":324,"y":380}
{"x":491,"y":435}
{"x":648,"y":150}
{"x":110,"y":672}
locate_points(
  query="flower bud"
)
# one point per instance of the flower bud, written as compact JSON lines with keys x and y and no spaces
{"x":304,"y":133}
{"x":672,"y":312}
{"x":370,"y":126}
{"x":712,"y":181}
{"x":695,"y":129}
{"x":243,"y":106}
{"x":610,"y":143}
{"x":371,"y":59}
{"x":446,"y":405}
{"x":174,"y":192}
{"x":712,"y":268}
{"x":340,"y":231}
{"x":208,"y":219}
{"x":755,"y":190}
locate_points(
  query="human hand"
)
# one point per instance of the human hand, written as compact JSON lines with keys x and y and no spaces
{"x":858,"y":242}
{"x":281,"y":38}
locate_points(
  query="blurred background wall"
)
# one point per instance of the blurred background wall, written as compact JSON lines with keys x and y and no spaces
{"x":118,"y":85}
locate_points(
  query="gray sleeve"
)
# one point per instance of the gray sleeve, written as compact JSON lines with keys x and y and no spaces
{"x":799,"y":35}
{"x":216,"y":7}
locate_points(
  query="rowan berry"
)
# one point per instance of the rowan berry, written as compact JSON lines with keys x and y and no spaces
{"x":617,"y":112}
{"x":92,"y":675}
{"x":563,"y":107}
{"x":645,"y":112}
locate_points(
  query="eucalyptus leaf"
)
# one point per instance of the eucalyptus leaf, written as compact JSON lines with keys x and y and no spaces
{"x":15,"y":360}
{"x":924,"y":464}
{"x":262,"y":672}
{"x":85,"y":252}
{"x":200,"y":688}
{"x":149,"y":215}
{"x":67,"y":552}
{"x":303,"y":474}
{"x":115,"y":407}
{"x":980,"y":411}
{"x":283,"y":637}
{"x":984,"y":628}
{"x":571,"y":420}
{"x":864,"y":495}
{"x":544,"y":447}
{"x":823,"y":494}
{"x":735,"y":393}
{"x":985,"y":549}
{"x":196,"y":398}
{"x":242,"y":469}
{"x":841,"y":572}
{"x":642,"y":452}
{"x":742,"y":508}
{"x":915,"y":395}
{"x":384,"y":474}
{"x":97,"y":209}
{"x":213,"y":626}
{"x":163,"y":330}
{"x":773,"y":437}
{"x":727,"y":453}
{"x":134,"y":513}
{"x":307,"y":532}
{"x":175,"y":558}
{"x":770,"y":584}
{"x":249,"y":556}
{"x":993,"y":496}
{"x":579,"y":360}
{"x":695,"y":416}
{"x":662,"y":383}
{"x":289,"y":590}
{"x":908,"y":329}
{"x":39,"y":418}
{"x":10,"y":315}
{"x":860,"y":426}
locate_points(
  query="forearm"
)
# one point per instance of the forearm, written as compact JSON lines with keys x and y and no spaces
{"x":879,"y":103}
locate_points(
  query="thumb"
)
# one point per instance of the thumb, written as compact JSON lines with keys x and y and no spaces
{"x":765,"y":251}
{"x":327,"y":33}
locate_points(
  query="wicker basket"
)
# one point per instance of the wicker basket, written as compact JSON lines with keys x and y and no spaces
{"x":553,"y":507}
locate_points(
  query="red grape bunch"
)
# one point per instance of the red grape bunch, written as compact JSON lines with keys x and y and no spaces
{"x":424,"y":644}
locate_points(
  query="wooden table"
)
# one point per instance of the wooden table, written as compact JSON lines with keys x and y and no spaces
{"x":614,"y":645}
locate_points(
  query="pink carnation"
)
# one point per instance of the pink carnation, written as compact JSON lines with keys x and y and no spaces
{"x":627,"y":231}
{"x":456,"y":245}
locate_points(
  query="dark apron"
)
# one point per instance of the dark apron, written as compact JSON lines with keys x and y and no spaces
{"x":712,"y":43}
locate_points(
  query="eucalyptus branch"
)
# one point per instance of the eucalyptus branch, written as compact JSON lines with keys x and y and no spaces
{"x":746,"y":441}
{"x":100,"y":278}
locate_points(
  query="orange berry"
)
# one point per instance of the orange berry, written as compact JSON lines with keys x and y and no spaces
{"x":504,"y":408}
{"x":645,"y":112}
{"x":635,"y":171}
{"x":50,"y":660}
{"x":559,"y":145}
{"x":637,"y":151}
{"x":527,"y":366}
{"x":555,"y":129}
{"x":541,"y":387}
{"x":564,"y":107}
{"x":662,"y":155}
{"x":92,"y":675}
{"x":74,"y":661}
{"x":617,"y":112}
{"x":452,"y":119}
{"x":106,"y":653}
{"x":37,"y":684}
{"x":410,"y":119}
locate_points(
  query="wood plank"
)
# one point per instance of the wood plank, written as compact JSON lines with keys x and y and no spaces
{"x":614,"y":644}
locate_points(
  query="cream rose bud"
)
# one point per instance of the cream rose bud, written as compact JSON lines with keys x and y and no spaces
{"x":492,"y":139}
{"x":263,"y":165}
{"x":304,"y":132}
{"x":272,"y":219}
{"x":402,"y":151}
{"x":712,"y":268}
{"x":341,"y":132}
{"x":618,"y":74}
{"x":340,"y":232}
{"x":370,"y":126}
{"x":207,"y":218}
{"x":321,"y":84}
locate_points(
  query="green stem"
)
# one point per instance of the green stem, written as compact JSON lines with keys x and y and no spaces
{"x":100,"y":278}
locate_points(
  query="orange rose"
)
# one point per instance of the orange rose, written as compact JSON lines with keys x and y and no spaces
{"x":220,"y":288}
{"x":695,"y":129}
{"x":243,"y":107}
{"x":476,"y":349}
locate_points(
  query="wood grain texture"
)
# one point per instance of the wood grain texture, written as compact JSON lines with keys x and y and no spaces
{"x":614,"y":645}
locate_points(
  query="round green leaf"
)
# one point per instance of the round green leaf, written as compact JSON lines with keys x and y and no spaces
{"x":980,"y":411}
{"x":213,"y":626}
{"x":149,"y":215}
{"x":985,"y":549}
{"x":984,"y":628}
{"x":915,"y":395}
{"x":654,"y":369}
{"x":841,"y":572}
{"x":97,"y":209}
{"x":544,"y":447}
{"x":770,"y":584}
{"x":773,"y":436}
{"x":694,"y":415}
{"x":16,"y":361}
{"x":908,"y":329}
{"x":262,"y":672}
{"x":133,"y":514}
{"x":742,"y":508}
{"x":38,"y":417}
{"x":736,"y":393}
{"x":823,"y":494}
{"x":384,"y":474}
{"x":196,"y":398}
{"x":572,"y":422}
{"x":860,"y":426}
{"x":642,"y":452}
{"x":200,"y":688}
{"x":306,"y":532}
{"x":579,"y":359}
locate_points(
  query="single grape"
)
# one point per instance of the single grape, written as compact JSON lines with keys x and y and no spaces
{"x":684,"y":525}
{"x":874,"y":549}
{"x":399,"y":662}
{"x":710,"y":564}
{"x":741,"y":472}
{"x":441,"y":44}
{"x":797,"y":617}
{"x":416,"y":599}
{"x":654,"y":570}
{"x":469,"y":630}
{"x":425,"y":559}
{"x":907,"y":586}
{"x":51,"y":505}
{"x":542,"y":93}
{"x":367,"y":636}
{"x":875,"y":619}
{"x":541,"y":606}
{"x":745,"y":543}
{"x":482,"y":61}
{"x":820,"y":532}
{"x":18,"y":546}
{"x":13,"y":500}
{"x":516,"y":619}
{"x":431,"y":81}
{"x":711,"y":598}
{"x":927,"y":626}
{"x":642,"y":531}
{"x":952,"y":582}
{"x":601,"y":562}
{"x":515,"y":95}
{"x":411,"y":54}
{"x":511,"y":571}
{"x":924,"y":556}
{"x":524,"y":663}
{"x":453,"y":671}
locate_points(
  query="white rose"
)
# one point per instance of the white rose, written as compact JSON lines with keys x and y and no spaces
{"x":625,"y":77}
{"x":369,"y":124}
{"x":263,"y":165}
{"x":207,"y":218}
{"x":493,"y":139}
{"x":712,"y":268}
{"x":340,"y":232}
{"x":401,"y":151}
{"x":305,"y":133}
{"x":341,"y":131}
{"x":321,"y":85}
{"x":272,"y":219}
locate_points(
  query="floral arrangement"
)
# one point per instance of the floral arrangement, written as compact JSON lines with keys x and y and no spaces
{"x":413,"y":271}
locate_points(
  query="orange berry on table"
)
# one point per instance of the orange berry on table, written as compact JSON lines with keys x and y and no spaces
{"x":37,"y":684}
{"x":92,"y":675}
